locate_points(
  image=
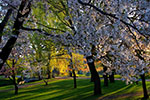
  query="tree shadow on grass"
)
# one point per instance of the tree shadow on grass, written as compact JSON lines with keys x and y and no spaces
{"x":63,"y":90}
{"x":129,"y":92}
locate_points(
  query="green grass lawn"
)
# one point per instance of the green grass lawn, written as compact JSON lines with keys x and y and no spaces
{"x":5,"y":81}
{"x":63,"y":90}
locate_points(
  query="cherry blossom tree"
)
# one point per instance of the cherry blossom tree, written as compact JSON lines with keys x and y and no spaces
{"x":93,"y":23}
{"x":128,"y":57}
{"x":22,"y":14}
{"x":114,"y":29}
{"x":113,"y":19}
{"x":14,"y":64}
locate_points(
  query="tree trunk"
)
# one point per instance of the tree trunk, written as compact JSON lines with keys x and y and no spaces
{"x":14,"y":77}
{"x":70,"y":73}
{"x":144,"y":87}
{"x":53,"y":74}
{"x":97,"y":83}
{"x":105,"y":76}
{"x":105,"y":80}
{"x":49,"y":73}
{"x":73,"y":71}
{"x":16,"y":89}
{"x":92,"y":78}
{"x":15,"y":84}
{"x":39,"y":76}
{"x":74,"y":78}
{"x":45,"y":81}
{"x":17,"y":26}
{"x":111,"y":78}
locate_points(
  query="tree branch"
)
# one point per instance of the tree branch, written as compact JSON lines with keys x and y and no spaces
{"x":6,"y":50}
{"x":109,"y":14}
{"x":39,"y":30}
{"x":134,"y":37}
{"x":51,"y":28}
{"x":11,"y":5}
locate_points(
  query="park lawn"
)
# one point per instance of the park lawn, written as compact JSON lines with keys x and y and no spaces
{"x":63,"y":90}
{"x":5,"y":82}
{"x":8,"y":83}
{"x":128,"y":92}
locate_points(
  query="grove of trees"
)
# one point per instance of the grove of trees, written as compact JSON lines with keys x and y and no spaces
{"x":38,"y":33}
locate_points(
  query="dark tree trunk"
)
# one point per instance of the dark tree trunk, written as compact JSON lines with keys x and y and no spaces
{"x":45,"y":81}
{"x":137,"y":82}
{"x":97,"y":83}
{"x":17,"y":25}
{"x":53,"y":74}
{"x":4,"y":22}
{"x":144,"y":87}
{"x":39,"y":76}
{"x":73,"y":71}
{"x":105,"y":80}
{"x":14,"y":79}
{"x":92,"y":78}
{"x":49,"y":74}
{"x":74,"y":78}
{"x":105,"y":76}
{"x":15,"y":84}
{"x":111,"y":78}
{"x":16,"y":89}
{"x":70,"y":74}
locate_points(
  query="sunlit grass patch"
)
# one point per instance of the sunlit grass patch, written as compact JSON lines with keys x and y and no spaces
{"x":63,"y":90}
